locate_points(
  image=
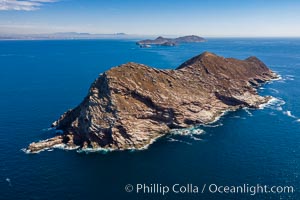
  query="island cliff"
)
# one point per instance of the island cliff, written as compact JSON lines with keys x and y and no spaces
{"x":131,"y":105}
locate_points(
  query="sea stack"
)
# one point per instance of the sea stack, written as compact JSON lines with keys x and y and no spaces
{"x":131,"y":105}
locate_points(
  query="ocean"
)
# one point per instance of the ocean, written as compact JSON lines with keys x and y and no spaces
{"x":40,"y":80}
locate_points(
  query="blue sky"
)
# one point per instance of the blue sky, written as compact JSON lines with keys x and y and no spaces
{"x":244,"y":18}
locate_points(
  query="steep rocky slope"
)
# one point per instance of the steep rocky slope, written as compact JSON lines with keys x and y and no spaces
{"x":131,"y":105}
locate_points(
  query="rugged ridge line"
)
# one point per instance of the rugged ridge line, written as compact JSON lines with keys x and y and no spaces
{"x":131,"y":105}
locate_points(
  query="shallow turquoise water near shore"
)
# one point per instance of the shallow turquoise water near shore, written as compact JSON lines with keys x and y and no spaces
{"x":42,"y":79}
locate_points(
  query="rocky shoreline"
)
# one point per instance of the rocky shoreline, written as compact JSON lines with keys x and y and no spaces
{"x":130,"y":106}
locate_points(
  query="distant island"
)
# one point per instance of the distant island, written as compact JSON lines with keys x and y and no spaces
{"x":130,"y":106}
{"x":64,"y":36}
{"x":170,"y":41}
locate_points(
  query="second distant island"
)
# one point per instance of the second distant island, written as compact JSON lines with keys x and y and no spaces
{"x":161,"y":41}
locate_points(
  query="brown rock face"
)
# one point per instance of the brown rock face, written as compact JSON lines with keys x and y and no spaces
{"x":131,"y":105}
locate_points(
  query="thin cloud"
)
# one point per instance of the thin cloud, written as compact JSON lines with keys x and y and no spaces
{"x":27,"y":5}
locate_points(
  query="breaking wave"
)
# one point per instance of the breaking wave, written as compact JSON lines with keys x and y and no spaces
{"x":274,"y":90}
{"x":290,"y":77}
{"x":187,"y":131}
{"x":48,"y":129}
{"x":278,"y":78}
{"x":248,"y":112}
{"x":94,"y":150}
{"x":286,"y":78}
{"x":289,"y":114}
{"x":191,"y":133}
{"x":57,"y":146}
{"x":177,"y":140}
{"x":274,"y":104}
{"x":238,"y":117}
{"x":212,"y":125}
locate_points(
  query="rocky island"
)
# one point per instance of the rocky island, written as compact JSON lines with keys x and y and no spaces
{"x":129,"y":106}
{"x":170,"y":41}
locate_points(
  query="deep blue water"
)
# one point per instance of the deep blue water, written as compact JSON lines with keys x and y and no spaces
{"x":42,"y":79}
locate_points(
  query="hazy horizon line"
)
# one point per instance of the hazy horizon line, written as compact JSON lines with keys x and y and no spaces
{"x":147,"y":35}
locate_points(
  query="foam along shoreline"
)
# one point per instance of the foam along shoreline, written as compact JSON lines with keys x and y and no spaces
{"x":273,"y":101}
{"x":57,"y":146}
{"x":183,"y":132}
{"x":196,"y":130}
